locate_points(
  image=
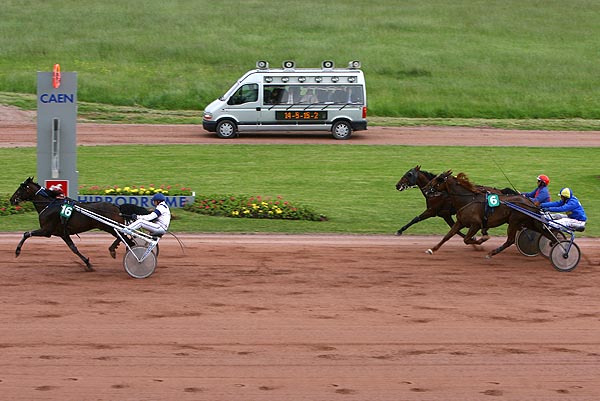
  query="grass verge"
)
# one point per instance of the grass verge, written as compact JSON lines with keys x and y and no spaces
{"x":352,"y":185}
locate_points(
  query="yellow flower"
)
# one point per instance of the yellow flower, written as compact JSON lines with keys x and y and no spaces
{"x":235,"y":213}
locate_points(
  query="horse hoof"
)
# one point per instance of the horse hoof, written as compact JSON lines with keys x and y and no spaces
{"x":488,"y":256}
{"x":88,"y":266}
{"x":429,"y":252}
{"x":113,"y":253}
{"x":398,"y":232}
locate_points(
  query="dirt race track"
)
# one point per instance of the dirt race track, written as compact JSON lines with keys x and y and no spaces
{"x":267,"y":317}
{"x":261,"y":317}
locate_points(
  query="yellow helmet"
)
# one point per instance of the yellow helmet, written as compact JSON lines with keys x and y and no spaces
{"x":565,"y":193}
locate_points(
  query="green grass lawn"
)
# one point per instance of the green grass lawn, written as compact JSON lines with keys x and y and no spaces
{"x":352,"y":185}
{"x":493,"y":59}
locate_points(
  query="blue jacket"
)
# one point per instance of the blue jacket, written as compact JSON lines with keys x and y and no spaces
{"x":572,"y":207}
{"x":540,"y":194}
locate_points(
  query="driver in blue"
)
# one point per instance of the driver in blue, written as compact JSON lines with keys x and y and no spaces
{"x":157,"y":222}
{"x":569,"y":211}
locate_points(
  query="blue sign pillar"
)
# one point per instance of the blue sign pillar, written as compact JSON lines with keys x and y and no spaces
{"x":57,"y":130}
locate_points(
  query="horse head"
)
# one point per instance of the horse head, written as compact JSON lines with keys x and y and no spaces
{"x":409,"y":179}
{"x":438,"y":184}
{"x":26,"y":191}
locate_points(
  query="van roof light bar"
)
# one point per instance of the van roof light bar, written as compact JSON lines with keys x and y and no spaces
{"x":327,"y":65}
{"x":354,"y":64}
{"x":262,"y":65}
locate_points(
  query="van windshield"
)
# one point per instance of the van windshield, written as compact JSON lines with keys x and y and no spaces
{"x":313,"y":94}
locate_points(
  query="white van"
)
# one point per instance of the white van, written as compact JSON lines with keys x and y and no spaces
{"x":292,"y":99}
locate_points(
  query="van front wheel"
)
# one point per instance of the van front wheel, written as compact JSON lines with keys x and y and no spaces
{"x":226,"y":129}
{"x":341,"y":130}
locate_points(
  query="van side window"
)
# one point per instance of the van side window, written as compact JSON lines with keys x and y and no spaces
{"x":245,"y":94}
{"x":275,"y":94}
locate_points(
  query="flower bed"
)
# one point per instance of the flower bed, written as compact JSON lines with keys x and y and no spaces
{"x":240,"y":206}
{"x":258,"y":207}
{"x":133,"y":190}
{"x":6,"y":209}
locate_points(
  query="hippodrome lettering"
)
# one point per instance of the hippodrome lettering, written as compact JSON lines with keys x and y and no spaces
{"x":143,"y":201}
{"x":57,"y":98}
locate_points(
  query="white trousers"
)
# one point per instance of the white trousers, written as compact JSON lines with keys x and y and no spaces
{"x":558,"y":220}
{"x":153,"y":228}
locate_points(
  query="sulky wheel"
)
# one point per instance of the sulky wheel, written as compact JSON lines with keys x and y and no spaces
{"x":141,"y":242}
{"x":563,"y":261}
{"x":136,"y":268}
{"x":527,"y":242}
{"x":546,"y":245}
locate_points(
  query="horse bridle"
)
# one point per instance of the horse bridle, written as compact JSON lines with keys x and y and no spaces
{"x":25,"y":187}
{"x":432,"y":191}
{"x":412,"y":180}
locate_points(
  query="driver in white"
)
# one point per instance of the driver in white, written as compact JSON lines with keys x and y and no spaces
{"x":157,"y":222}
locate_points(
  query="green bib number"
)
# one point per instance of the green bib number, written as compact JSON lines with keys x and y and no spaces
{"x":66,"y":210}
{"x":493,"y":200}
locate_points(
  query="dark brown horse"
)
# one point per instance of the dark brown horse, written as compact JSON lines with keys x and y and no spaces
{"x":474,"y":213}
{"x":51,"y":223}
{"x":438,"y":206}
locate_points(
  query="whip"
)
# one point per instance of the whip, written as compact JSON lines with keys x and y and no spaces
{"x":502,"y":171}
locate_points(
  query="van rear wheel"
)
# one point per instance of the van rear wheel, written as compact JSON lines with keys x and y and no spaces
{"x":341,"y":130}
{"x":226,"y":129}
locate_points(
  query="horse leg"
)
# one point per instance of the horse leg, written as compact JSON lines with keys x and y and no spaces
{"x":405,"y":227}
{"x":471,"y":239}
{"x":455,"y":228}
{"x":423,"y":216}
{"x":511,"y":233}
{"x":71,"y":245}
{"x":27,"y":234}
{"x":112,"y":249}
{"x":450,"y":221}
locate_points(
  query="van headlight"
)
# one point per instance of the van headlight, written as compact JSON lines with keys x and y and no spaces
{"x":207,"y":116}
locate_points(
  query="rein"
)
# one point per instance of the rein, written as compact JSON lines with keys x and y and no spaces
{"x":45,"y":199}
